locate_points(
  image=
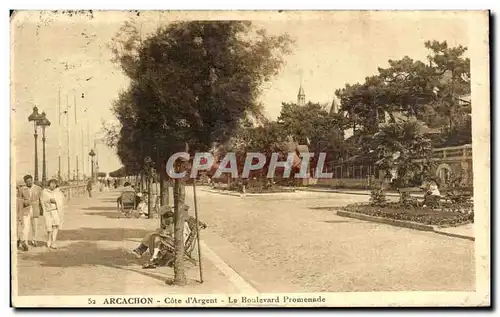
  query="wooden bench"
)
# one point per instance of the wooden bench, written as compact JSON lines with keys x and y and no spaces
{"x":411,"y":190}
{"x":457,"y":195}
{"x":405,"y":194}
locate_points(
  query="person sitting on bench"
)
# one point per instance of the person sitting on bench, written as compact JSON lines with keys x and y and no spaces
{"x":141,"y":203}
{"x":163,"y":235}
{"x":432,"y":195}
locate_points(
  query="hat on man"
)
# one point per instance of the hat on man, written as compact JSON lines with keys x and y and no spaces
{"x":167,"y":211}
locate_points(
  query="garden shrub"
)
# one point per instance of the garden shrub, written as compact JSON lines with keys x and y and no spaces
{"x":377,"y":197}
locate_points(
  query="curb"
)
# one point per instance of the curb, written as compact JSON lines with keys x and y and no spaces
{"x":397,"y":223}
{"x":244,"y":195}
{"x":403,"y":224}
{"x":222,"y":193}
{"x":341,"y":192}
{"x":454,"y":235}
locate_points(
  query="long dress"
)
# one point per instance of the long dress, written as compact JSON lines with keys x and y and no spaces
{"x":53,"y":212}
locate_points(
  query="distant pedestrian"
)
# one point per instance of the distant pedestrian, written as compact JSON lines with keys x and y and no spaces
{"x":30,"y":194}
{"x":89,"y":188}
{"x":155,"y":195}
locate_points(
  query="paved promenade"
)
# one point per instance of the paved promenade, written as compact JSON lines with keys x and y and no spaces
{"x":295,"y":242}
{"x":291,"y":242}
{"x":93,"y":257}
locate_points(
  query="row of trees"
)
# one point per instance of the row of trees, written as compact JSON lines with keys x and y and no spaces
{"x":432,"y":92}
{"x":191,"y":83}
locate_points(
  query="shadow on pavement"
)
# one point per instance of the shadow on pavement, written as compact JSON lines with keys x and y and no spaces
{"x":325,"y":208}
{"x":101,"y":234}
{"x":100,"y":208}
{"x":338,"y":221}
{"x":108,"y":200}
{"x":108,"y":214}
{"x":156,"y":274}
{"x":83,"y":254}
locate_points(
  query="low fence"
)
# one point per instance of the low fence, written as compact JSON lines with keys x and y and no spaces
{"x":74,"y":190}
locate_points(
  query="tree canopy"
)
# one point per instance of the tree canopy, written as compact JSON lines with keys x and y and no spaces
{"x":428,"y":91}
{"x":190,"y":82}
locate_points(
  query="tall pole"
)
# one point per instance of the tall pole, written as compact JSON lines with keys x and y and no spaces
{"x":92,"y":167}
{"x":197,"y":230}
{"x":77,"y":171}
{"x":36,"y":153}
{"x":88,"y":146}
{"x":76,"y":137}
{"x":44,"y":165}
{"x":74,"y":104}
{"x":59,"y":137}
{"x":68,"y":136}
{"x":150,"y":213}
{"x":83,"y":158}
{"x":96,"y":164}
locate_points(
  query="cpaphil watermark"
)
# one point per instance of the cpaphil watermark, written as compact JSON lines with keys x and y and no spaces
{"x":254,"y":161}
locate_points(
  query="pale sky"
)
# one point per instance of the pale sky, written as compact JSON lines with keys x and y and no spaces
{"x":331,"y":49}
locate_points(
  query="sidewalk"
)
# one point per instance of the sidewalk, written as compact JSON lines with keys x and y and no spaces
{"x":465,"y":231}
{"x":93,"y":257}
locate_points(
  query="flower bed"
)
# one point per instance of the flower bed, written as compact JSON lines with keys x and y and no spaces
{"x":420,"y":215}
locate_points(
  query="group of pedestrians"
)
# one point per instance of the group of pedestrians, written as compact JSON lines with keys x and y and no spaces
{"x":102,"y":186}
{"x":33,"y":204}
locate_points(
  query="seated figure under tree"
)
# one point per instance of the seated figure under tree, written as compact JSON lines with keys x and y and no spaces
{"x":161,"y":242}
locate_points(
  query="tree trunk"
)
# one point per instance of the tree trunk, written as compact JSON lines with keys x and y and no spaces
{"x":167,"y":192}
{"x":162,"y":189}
{"x":179,"y":198}
{"x":150,"y":212}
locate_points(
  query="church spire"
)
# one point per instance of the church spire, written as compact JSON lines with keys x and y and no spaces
{"x":301,"y":97}
{"x":334,"y":108}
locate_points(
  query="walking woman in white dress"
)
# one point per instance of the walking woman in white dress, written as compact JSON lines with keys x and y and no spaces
{"x":53,"y":210}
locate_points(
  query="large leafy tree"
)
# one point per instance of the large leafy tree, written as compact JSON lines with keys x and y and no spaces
{"x":431,"y":92}
{"x":190,"y":83}
{"x":453,"y":72}
{"x":311,"y":124}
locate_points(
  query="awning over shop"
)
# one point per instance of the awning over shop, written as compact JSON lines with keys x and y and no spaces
{"x":121,"y":172}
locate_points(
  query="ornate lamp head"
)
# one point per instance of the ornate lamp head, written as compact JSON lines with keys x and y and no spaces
{"x":92,"y":153}
{"x":43,"y":122}
{"x":35,"y":116}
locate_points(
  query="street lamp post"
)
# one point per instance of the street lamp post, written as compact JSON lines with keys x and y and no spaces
{"x":35,"y":117}
{"x":92,"y":154}
{"x":44,"y":122}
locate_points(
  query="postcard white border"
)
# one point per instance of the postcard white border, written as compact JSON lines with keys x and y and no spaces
{"x":481,"y":146}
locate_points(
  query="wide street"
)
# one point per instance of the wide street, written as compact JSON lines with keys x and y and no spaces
{"x":277,"y":243}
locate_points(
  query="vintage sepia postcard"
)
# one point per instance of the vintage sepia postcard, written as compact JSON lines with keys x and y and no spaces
{"x":250,"y":159}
